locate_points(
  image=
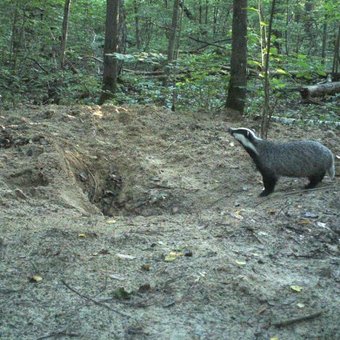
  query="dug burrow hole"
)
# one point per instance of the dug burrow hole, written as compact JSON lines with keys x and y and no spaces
{"x":98,"y":179}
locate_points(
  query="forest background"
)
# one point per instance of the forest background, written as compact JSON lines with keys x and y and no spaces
{"x":52,"y":52}
{"x":139,"y":218}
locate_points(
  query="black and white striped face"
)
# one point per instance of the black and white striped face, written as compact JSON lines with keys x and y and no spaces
{"x":246,"y":137}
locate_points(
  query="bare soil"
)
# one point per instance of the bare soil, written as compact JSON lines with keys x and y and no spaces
{"x":138,"y":223}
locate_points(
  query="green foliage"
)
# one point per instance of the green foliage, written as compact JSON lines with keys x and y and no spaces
{"x":151,"y":58}
{"x":308,"y":69}
{"x":30,"y":43}
{"x":193,"y":79}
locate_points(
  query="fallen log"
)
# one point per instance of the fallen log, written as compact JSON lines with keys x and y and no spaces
{"x":307,"y":92}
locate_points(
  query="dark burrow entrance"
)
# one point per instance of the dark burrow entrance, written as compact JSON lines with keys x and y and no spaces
{"x":100,"y":181}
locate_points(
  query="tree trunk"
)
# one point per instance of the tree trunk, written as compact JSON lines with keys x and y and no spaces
{"x":324,"y":41}
{"x":64,"y":32}
{"x":267,"y":111}
{"x":309,"y":22}
{"x":287,"y":27}
{"x":110,"y":47}
{"x":173,"y":31}
{"x":263,"y":32}
{"x":336,"y":58}
{"x":137,"y":27}
{"x":200,"y":10}
{"x":238,"y":77}
{"x":172,"y":51}
{"x":16,"y":39}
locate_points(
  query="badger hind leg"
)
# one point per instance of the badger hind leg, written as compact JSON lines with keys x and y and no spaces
{"x":269,"y":185}
{"x":314,"y":180}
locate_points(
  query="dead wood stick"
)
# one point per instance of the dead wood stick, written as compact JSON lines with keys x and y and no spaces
{"x":297,"y":319}
{"x":59,"y":334}
{"x":92,"y":300}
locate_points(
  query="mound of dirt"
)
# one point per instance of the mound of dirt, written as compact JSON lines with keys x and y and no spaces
{"x":137,"y":222}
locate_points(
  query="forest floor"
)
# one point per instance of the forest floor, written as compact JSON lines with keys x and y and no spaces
{"x":138,"y":223}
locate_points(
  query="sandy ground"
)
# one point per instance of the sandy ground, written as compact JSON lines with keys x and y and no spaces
{"x":139,"y":223}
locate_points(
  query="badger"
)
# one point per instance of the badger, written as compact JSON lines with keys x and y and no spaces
{"x":304,"y":158}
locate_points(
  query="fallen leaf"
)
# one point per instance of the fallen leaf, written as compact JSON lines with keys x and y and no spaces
{"x":111,"y":221}
{"x":125,"y":257}
{"x":262,"y":309}
{"x":304,"y":221}
{"x":237,"y":215}
{"x":300,"y":305}
{"x":20,"y":194}
{"x":146,"y":267}
{"x":82,"y":235}
{"x":240,"y":263}
{"x":296,"y":288}
{"x":117,"y":277}
{"x":144,"y":288}
{"x":36,"y":278}
{"x":104,"y":252}
{"x":274,"y":338}
{"x":321,"y":224}
{"x":310,"y":214}
{"x":172,"y":256}
{"x":200,"y":275}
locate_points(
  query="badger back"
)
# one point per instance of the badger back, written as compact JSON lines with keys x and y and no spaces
{"x":294,"y":159}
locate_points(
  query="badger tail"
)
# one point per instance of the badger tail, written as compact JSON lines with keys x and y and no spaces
{"x":331,"y":170}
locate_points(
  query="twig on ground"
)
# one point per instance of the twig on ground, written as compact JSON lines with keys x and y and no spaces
{"x":297,"y":319}
{"x":169,"y":146}
{"x":92,"y":300}
{"x":59,"y":334}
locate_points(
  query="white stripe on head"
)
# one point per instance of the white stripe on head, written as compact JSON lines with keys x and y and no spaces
{"x":252,"y":132}
{"x":245,"y":141}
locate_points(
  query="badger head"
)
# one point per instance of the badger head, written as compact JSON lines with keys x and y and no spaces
{"x":246,"y":137}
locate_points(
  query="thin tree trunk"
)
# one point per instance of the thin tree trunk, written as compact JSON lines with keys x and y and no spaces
{"x":263,"y":32}
{"x":324,"y":41}
{"x":215,"y":16}
{"x":238,"y":75}
{"x":110,"y":47}
{"x":172,"y":53}
{"x":266,"y":115}
{"x":64,"y":33}
{"x":15,"y":39}
{"x":173,"y":31}
{"x":200,"y":12}
{"x":137,"y":27}
{"x":309,"y":21}
{"x":336,"y":58}
{"x":287,"y":30}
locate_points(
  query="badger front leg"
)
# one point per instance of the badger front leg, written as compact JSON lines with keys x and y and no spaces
{"x":269,"y":182}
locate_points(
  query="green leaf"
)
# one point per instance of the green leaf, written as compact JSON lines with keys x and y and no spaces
{"x":281,"y":71}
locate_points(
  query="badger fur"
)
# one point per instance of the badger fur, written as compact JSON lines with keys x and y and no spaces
{"x":303,"y":158}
